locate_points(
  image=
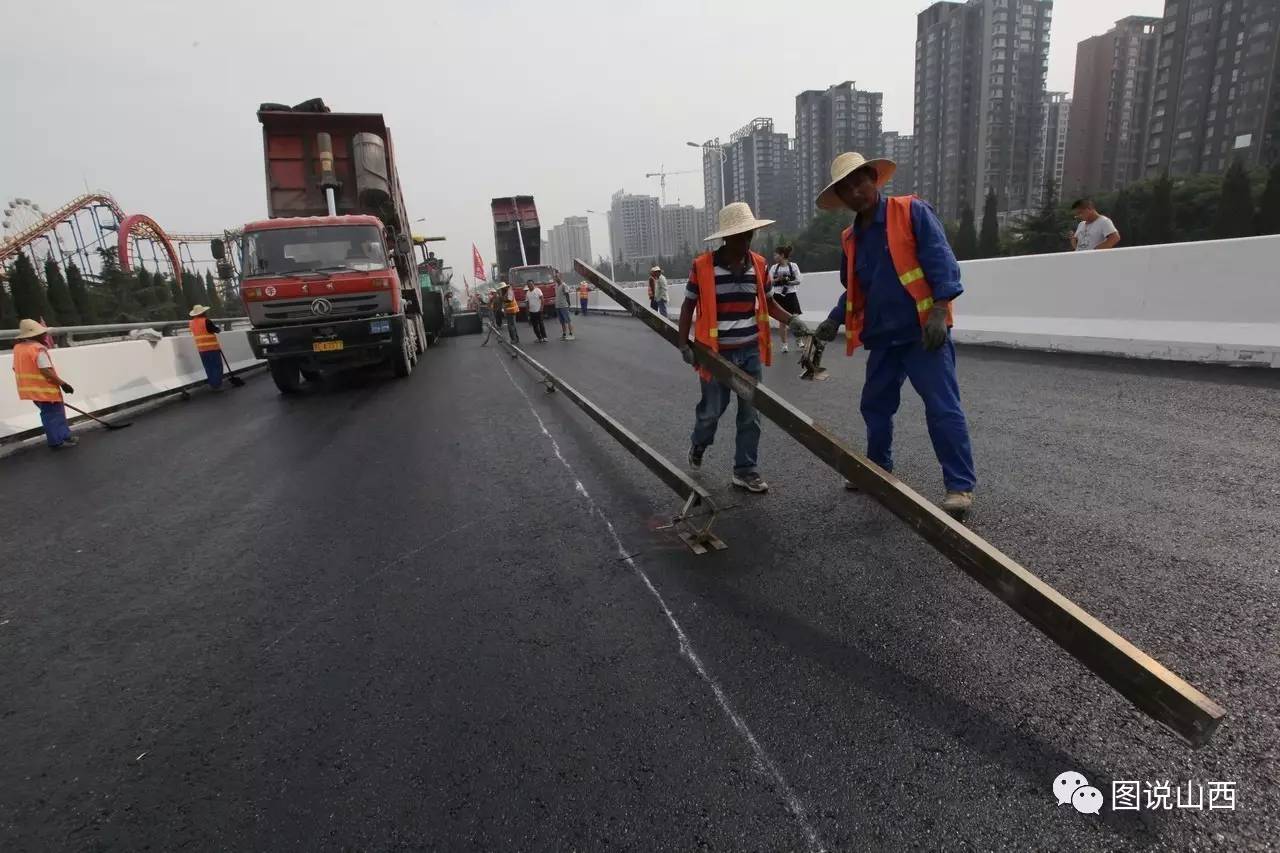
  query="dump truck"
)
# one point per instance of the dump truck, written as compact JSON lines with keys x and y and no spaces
{"x":517,"y":239}
{"x":329,"y":280}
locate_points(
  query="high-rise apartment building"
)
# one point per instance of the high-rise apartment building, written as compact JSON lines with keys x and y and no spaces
{"x":759,"y":168}
{"x":568,"y":240}
{"x":1053,"y":145}
{"x":841,"y":118}
{"x":1216,"y":94}
{"x":900,"y":148}
{"x":633,"y":227}
{"x":1110,"y":106}
{"x":682,"y":229}
{"x":714,"y":165}
{"x":979,"y":101}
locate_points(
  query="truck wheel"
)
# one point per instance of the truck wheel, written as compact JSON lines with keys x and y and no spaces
{"x":285,"y":374}
{"x":310,"y":375}
{"x":402,"y":360}
{"x":421,"y":339}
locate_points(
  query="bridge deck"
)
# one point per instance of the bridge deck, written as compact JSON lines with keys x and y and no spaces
{"x":241,"y":624}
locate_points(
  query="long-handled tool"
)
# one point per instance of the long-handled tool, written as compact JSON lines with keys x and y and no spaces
{"x":106,"y":424}
{"x":231,"y":374}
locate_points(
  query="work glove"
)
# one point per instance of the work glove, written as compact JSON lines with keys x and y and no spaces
{"x":935,"y":328}
{"x":686,"y":352}
{"x":799,"y":327}
{"x":66,"y":387}
{"x":826,"y":331}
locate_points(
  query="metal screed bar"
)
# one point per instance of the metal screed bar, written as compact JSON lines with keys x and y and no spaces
{"x":1152,"y":688}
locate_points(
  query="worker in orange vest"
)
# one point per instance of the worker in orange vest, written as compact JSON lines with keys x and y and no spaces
{"x":900,"y":276}
{"x":584,"y":294}
{"x":205,"y":333}
{"x":728,"y":303}
{"x":510,"y":308}
{"x":39,"y":382}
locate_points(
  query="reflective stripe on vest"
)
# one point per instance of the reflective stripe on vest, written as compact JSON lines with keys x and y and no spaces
{"x":31,"y":382}
{"x":206,"y":341}
{"x":583,"y":291}
{"x":705,"y":329}
{"x":511,"y":307}
{"x":902,"y":251}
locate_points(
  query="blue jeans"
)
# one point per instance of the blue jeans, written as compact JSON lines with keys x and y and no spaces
{"x":933,"y":375}
{"x":715,"y":399}
{"x":53,"y":417}
{"x":660,"y":307}
{"x":213,"y":367}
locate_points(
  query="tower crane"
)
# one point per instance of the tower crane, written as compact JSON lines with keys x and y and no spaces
{"x":661,"y":175}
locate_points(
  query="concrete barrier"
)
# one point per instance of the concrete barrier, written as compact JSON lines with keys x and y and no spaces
{"x":113,"y":374}
{"x":1215,"y":301}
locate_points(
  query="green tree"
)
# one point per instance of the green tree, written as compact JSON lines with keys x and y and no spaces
{"x":1122,"y":218}
{"x":1157,"y":226}
{"x":966,"y":247}
{"x":1235,"y":205}
{"x":64,"y":309}
{"x":80,"y":296}
{"x":144,"y":293}
{"x":8,"y":316}
{"x":211,"y":289}
{"x":817,"y":247}
{"x":193,"y":289}
{"x":179,"y":300}
{"x":119,"y":288}
{"x":989,"y":239}
{"x":29,"y":298}
{"x":1045,"y":230}
{"x":1269,"y":204}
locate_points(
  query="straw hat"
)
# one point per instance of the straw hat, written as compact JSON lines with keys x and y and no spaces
{"x":655,"y":268}
{"x":844,"y":166}
{"x":31,"y":329}
{"x":737,"y":218}
{"x":197,"y":310}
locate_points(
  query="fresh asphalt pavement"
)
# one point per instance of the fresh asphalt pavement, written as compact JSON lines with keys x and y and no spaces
{"x":444,"y":613}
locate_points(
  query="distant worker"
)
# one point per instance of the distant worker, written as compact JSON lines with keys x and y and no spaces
{"x":900,"y":276}
{"x":1095,"y":231}
{"x":510,"y":308}
{"x":533,"y":299}
{"x":584,"y":297}
{"x":205,"y":333}
{"x":652,"y":307}
{"x":40,"y":383}
{"x":727,"y":303}
{"x":658,"y":286}
{"x":785,"y":275}
{"x":564,"y":298}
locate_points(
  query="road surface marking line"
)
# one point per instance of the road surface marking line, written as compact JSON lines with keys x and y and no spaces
{"x":686,"y":647}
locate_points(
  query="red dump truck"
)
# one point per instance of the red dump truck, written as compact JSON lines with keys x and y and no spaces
{"x":517,"y":238}
{"x":329,"y":281}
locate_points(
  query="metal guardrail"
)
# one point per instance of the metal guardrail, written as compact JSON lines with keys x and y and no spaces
{"x":66,"y":335}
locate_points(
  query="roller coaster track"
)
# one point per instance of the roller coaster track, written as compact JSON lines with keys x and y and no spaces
{"x":129,"y":229}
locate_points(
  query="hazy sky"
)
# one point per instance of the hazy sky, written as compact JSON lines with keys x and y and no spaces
{"x":155,"y":101}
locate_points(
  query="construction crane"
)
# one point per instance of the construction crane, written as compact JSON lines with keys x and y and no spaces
{"x":661,"y":175}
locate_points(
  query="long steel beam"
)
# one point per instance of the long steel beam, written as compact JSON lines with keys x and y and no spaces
{"x":1141,"y":679}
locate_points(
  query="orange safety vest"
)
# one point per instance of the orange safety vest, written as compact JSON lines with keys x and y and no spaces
{"x":902,"y":251}
{"x":206,"y":341}
{"x":511,"y":306}
{"x":705,"y":330}
{"x":31,"y":382}
{"x":583,"y":291}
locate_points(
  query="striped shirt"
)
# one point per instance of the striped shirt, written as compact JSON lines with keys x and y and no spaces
{"x":735,"y":304}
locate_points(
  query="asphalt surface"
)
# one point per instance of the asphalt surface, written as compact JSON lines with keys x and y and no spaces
{"x":442,"y":613}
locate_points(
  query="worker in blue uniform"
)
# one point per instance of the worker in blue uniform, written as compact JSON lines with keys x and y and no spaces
{"x":900,"y":277}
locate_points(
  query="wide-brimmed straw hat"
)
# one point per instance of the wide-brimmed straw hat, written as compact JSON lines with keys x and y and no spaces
{"x":197,"y":310}
{"x":655,"y":268}
{"x":844,"y":166}
{"x":737,"y":218}
{"x":31,"y":329}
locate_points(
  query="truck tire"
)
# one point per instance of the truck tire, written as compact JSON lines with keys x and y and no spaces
{"x":286,"y":375}
{"x":422,"y":340}
{"x":310,"y":375}
{"x":402,"y":359}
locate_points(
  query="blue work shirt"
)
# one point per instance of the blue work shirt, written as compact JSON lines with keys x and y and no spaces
{"x":891,"y":318}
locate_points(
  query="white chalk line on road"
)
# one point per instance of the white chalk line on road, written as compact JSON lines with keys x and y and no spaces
{"x":686,"y":646}
{"x":364,"y":581}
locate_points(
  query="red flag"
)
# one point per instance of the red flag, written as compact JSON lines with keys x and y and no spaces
{"x":479,"y":263}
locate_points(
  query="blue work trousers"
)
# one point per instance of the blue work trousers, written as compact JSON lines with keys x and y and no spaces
{"x":660,"y":307}
{"x":53,"y":417}
{"x":212,"y":361}
{"x":715,"y":399}
{"x":933,"y":375}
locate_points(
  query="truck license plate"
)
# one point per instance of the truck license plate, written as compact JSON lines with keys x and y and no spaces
{"x":326,"y":346}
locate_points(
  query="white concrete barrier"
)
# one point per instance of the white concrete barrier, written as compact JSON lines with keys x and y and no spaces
{"x":108,"y":375}
{"x":1213,"y":301}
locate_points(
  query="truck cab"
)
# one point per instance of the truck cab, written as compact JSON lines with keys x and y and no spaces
{"x":543,"y":276}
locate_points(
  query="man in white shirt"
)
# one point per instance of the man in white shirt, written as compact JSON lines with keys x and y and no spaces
{"x":533,"y":298}
{"x":1095,"y":231}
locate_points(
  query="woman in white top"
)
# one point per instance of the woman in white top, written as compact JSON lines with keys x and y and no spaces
{"x":784,"y":276}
